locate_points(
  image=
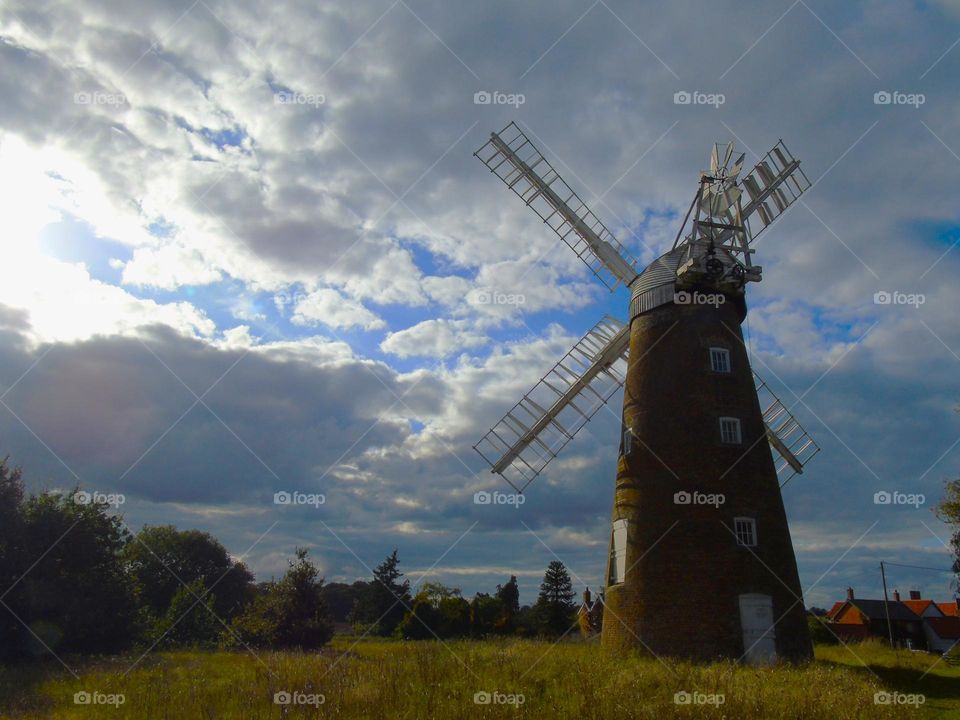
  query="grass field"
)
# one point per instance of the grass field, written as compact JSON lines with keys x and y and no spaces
{"x":380,"y":679}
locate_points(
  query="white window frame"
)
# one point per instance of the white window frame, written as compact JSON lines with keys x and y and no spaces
{"x":627,"y":441}
{"x":736,"y":431}
{"x":745,"y":528}
{"x":618,"y":551}
{"x":723,"y":356}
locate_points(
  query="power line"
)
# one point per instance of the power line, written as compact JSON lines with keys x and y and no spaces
{"x":918,"y":567}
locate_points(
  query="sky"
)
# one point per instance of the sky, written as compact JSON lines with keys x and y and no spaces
{"x":245,"y":248}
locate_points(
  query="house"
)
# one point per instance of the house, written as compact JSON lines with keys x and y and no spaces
{"x":590,"y":614}
{"x":859,"y":619}
{"x":950,"y":609}
{"x":916,"y":623}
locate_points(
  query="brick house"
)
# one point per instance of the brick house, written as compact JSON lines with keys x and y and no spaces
{"x":590,"y":614}
{"x":916,"y":622}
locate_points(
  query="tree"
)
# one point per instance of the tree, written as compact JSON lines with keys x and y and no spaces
{"x":553,"y":611}
{"x":485,"y":613}
{"x":76,"y":597}
{"x":438,"y":611}
{"x":948,"y":510}
{"x":509,"y":596}
{"x":161,"y":559}
{"x":12,"y":555}
{"x":189,"y":619}
{"x":341,"y":598}
{"x":290,"y":613}
{"x":387,"y":598}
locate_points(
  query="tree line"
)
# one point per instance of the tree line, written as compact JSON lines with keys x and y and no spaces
{"x":74,"y":579}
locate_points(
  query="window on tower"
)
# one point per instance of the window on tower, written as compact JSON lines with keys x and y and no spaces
{"x":627,"y":441}
{"x":746,"y":531}
{"x":720,"y":360}
{"x":618,"y":552}
{"x":730,"y":431}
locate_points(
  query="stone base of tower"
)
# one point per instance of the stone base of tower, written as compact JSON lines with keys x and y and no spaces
{"x":688,"y":586}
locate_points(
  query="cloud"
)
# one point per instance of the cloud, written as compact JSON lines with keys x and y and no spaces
{"x":432,"y":338}
{"x":328,"y":307}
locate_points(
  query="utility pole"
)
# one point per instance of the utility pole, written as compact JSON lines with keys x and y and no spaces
{"x":886,"y":602}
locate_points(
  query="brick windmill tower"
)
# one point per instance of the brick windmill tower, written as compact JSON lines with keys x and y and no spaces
{"x":701,"y":564}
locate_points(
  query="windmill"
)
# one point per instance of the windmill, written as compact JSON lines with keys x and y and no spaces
{"x":700,"y":563}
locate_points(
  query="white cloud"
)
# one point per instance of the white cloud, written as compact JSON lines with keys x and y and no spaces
{"x":433,"y":338}
{"x":328,"y":307}
{"x":168,"y":267}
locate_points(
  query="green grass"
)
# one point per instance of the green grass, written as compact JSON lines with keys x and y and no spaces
{"x":381,"y":679}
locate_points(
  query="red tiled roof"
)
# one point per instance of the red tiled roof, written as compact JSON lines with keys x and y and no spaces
{"x":836,"y":606}
{"x":948,"y":608}
{"x":918,"y":606}
{"x":947,"y":628}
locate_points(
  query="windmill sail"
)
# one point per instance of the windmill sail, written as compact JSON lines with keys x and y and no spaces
{"x":528,"y":437}
{"x":792,"y":445}
{"x":773,"y":185}
{"x":515,"y":159}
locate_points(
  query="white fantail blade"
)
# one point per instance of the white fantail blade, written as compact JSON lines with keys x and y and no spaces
{"x":737,"y":166}
{"x":728,"y":153}
{"x":522,"y":167}
{"x":527,"y":438}
{"x":715,"y":160}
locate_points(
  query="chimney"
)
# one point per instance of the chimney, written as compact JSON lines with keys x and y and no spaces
{"x":914,"y":594}
{"x":586,"y":597}
{"x":849,"y":593}
{"x":896,"y":595}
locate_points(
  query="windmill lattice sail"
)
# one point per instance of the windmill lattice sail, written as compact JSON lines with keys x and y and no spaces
{"x":792,"y":445}
{"x":773,"y":185}
{"x":513,"y":158}
{"x":528,"y":437}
